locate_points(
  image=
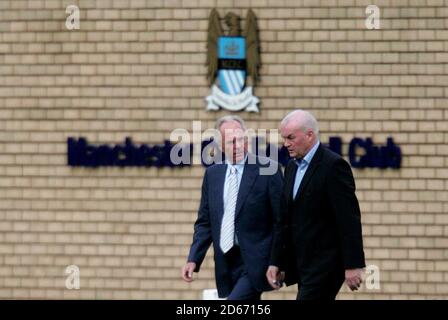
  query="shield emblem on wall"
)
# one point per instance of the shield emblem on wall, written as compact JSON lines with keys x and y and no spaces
{"x":232,"y":64}
{"x":231,"y":59}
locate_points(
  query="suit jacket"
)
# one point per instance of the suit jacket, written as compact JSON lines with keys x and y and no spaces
{"x":322,"y":233}
{"x":257,"y":217}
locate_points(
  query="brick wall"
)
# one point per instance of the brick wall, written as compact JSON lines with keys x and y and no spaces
{"x":136,"y":68}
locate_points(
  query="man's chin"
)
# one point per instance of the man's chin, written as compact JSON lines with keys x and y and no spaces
{"x":238,"y":158}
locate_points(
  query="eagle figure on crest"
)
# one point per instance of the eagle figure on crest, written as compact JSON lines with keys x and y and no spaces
{"x":231,"y":58}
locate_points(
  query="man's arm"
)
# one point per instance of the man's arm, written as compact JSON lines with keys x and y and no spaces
{"x":275,"y":199}
{"x":348,"y":219}
{"x":202,"y":237}
{"x":341,"y":189}
{"x":275,"y":196}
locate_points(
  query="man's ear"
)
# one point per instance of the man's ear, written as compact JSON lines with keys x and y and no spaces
{"x":310,"y":134}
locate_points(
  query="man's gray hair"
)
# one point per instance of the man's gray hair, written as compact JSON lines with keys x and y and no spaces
{"x":307,"y":120}
{"x":230,"y":118}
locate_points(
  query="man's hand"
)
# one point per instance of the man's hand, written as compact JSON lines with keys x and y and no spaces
{"x":275,"y":277}
{"x":187,"y":271}
{"x":353,"y":278}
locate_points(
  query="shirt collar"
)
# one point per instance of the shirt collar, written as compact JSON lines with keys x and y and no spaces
{"x":309,"y":156}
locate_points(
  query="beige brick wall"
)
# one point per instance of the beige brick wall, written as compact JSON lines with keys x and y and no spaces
{"x":136,"y":68}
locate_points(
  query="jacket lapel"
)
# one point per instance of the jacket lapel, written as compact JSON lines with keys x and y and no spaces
{"x":310,"y":171}
{"x":218,"y":188}
{"x":289,"y":180}
{"x":247,"y":180}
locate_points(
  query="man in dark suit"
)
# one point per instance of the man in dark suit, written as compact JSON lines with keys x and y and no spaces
{"x":238,"y":213}
{"x":321,"y":243}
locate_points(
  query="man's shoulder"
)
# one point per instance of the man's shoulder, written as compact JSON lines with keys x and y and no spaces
{"x":214,"y":167}
{"x":329,"y":154}
{"x":331,"y":158}
{"x":261,"y":161}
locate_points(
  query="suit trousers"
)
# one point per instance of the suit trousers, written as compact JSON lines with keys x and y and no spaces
{"x":324,"y":291}
{"x":242,"y":287}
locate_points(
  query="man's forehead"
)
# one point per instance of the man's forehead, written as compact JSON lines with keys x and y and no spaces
{"x":230,"y":124}
{"x":290,"y":127}
{"x":286,"y":130}
{"x":233,"y":131}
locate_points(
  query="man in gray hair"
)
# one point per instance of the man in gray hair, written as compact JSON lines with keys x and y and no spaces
{"x":321,"y":243}
{"x":239,"y":213}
